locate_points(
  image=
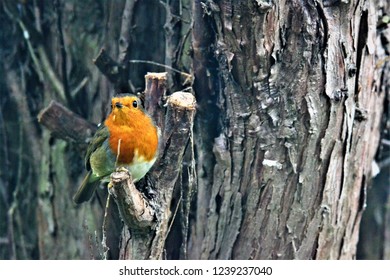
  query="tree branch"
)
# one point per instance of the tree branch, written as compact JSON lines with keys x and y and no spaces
{"x":178,"y":127}
{"x":107,"y":66}
{"x":134,"y":208}
{"x":155,"y":90}
{"x":65,"y":124}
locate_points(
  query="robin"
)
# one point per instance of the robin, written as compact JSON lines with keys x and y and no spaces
{"x":127,"y":138}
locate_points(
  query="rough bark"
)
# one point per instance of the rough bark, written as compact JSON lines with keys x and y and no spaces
{"x":298,"y":126}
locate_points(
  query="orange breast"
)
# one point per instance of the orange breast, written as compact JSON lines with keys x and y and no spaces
{"x":134,"y":137}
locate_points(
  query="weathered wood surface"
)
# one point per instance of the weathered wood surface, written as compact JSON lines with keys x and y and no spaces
{"x":296,"y":114}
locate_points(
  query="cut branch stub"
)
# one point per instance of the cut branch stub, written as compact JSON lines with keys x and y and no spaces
{"x":178,"y":126}
{"x":178,"y":129}
{"x":155,"y":89}
{"x":65,"y":124}
{"x":135,"y":210}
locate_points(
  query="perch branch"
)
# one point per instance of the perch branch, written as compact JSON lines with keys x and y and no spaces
{"x":134,"y":209}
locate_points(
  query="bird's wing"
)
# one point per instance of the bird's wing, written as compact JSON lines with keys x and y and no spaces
{"x":100,"y":136}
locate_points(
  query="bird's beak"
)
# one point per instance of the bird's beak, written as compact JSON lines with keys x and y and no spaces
{"x":118,"y":105}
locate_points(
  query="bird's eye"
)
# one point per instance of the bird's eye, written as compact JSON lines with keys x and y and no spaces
{"x":135,"y":104}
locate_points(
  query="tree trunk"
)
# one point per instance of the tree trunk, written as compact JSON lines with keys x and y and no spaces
{"x":289,"y":94}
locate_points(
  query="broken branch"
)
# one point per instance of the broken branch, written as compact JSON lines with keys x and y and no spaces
{"x":65,"y":124}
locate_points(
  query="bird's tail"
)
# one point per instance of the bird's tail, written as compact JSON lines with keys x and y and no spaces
{"x":86,"y":189}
